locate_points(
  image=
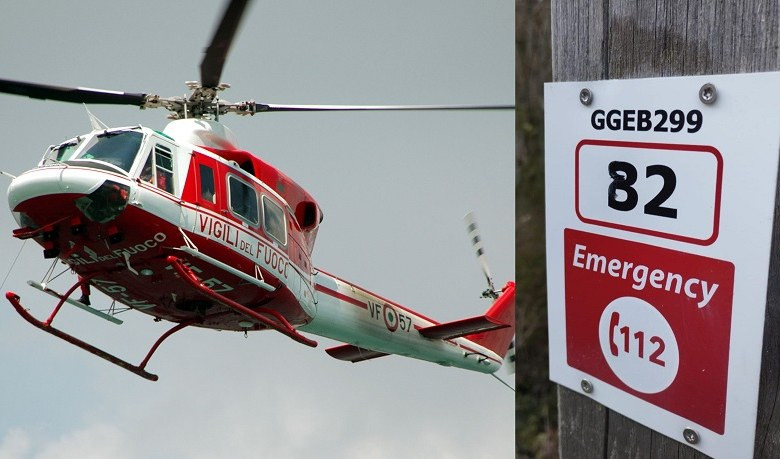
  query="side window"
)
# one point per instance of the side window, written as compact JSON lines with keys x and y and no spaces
{"x":243,"y":200}
{"x":273,"y":221}
{"x":207,"y":188}
{"x":158,"y":169}
{"x":164,"y":164}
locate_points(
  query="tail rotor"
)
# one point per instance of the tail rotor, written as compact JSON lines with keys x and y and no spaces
{"x":476,"y":241}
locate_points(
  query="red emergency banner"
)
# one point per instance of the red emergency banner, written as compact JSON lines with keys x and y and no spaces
{"x":650,"y":321}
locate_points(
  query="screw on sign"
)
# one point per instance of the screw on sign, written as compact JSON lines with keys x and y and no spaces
{"x":587,"y":387}
{"x":586,"y":96}
{"x":651,"y":321}
{"x":708,"y":94}
{"x":691,"y":436}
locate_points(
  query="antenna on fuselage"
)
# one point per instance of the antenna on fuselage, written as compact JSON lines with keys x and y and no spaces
{"x":97,"y":125}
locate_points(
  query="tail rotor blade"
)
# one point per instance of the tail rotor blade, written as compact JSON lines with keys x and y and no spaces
{"x":476,"y":242}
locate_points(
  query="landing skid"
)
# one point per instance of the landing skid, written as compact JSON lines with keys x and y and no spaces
{"x":267,"y":317}
{"x":47,"y":327}
{"x":78,"y":304}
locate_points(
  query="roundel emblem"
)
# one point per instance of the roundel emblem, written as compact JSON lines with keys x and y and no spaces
{"x":391,"y":317}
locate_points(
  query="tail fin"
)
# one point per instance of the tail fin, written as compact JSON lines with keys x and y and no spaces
{"x":494,"y":330}
{"x":502,"y":311}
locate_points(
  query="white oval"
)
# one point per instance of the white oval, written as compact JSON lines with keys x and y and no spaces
{"x":639,"y":345}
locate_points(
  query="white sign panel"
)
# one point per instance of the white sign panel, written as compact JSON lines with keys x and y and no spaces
{"x":659,"y":199}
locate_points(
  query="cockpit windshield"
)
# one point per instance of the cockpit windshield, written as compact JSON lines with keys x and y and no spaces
{"x":118,"y":148}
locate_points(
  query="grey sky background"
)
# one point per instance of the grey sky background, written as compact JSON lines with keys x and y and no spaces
{"x":393,"y":187}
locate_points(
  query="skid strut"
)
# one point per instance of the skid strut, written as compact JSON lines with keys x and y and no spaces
{"x":280,"y":324}
{"x":46,"y":326}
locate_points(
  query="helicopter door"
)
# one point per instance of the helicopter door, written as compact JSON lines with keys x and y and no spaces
{"x":209,"y":189}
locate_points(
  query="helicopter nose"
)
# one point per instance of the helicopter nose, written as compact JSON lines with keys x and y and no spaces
{"x":101,"y":197}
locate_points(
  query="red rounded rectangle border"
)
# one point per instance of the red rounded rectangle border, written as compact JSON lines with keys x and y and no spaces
{"x":712,"y":237}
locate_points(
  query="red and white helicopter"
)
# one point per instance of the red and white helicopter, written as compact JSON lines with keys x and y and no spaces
{"x":182,"y":225}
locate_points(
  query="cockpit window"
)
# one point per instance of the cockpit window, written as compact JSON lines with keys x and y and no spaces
{"x":118,"y":148}
{"x":63,"y":151}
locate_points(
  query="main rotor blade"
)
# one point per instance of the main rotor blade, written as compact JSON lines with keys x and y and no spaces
{"x":214,"y":60}
{"x":67,"y":94}
{"x":323,"y":108}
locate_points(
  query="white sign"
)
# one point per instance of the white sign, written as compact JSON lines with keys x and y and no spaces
{"x":659,"y":205}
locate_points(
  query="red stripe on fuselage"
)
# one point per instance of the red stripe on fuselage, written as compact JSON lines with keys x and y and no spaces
{"x":342,"y":297}
{"x":391,"y":303}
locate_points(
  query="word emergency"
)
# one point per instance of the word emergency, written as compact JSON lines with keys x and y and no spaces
{"x":643,"y":276}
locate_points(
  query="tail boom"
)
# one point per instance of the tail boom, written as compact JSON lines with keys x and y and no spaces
{"x":372,"y":326}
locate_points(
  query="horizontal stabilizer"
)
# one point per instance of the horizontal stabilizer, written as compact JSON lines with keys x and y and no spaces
{"x":463,"y":327}
{"x":352,"y":353}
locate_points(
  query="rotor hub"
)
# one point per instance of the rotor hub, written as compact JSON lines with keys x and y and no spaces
{"x":203,"y":103}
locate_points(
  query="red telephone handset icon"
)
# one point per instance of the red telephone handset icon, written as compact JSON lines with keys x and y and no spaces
{"x":613,"y":323}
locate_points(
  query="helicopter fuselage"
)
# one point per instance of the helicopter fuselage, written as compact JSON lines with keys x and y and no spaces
{"x":114,"y":217}
{"x":115,"y":205}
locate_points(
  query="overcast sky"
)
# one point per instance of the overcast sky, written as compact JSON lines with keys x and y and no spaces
{"x":393,"y":187}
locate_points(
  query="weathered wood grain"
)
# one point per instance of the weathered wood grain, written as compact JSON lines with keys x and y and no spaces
{"x":581,"y":426}
{"x":578,"y":40}
{"x":536,"y":400}
{"x":768,"y":424}
{"x":611,"y":39}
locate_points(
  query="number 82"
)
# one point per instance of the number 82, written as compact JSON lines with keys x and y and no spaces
{"x":624,"y":176}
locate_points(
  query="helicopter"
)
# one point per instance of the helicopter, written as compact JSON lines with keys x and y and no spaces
{"x":183,"y":225}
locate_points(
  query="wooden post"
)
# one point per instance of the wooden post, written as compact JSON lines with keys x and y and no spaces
{"x":617,"y":39}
